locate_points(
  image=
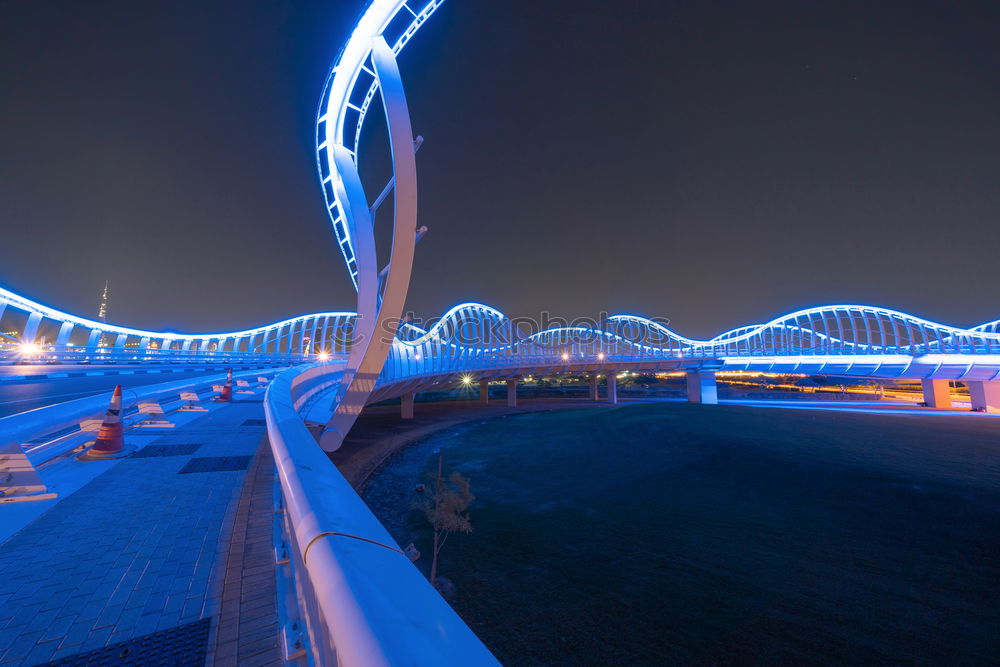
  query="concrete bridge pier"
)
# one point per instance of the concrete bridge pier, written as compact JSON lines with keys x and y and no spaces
{"x":406,"y":405}
{"x":985,"y":396}
{"x":512,"y":393}
{"x":484,"y":391}
{"x":701,"y":387}
{"x":613,"y":388}
{"x":937,"y":393}
{"x":593,"y":387}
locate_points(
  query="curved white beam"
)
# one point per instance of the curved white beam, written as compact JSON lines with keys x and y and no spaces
{"x":349,"y":91}
{"x":368,"y":356}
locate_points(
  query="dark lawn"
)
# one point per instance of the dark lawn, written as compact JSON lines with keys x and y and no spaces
{"x":677,"y":533}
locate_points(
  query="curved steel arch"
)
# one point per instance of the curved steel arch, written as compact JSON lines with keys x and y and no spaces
{"x":347,"y":95}
{"x":378,"y":314}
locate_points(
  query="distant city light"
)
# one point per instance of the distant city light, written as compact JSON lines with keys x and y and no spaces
{"x":29,"y":349}
{"x":466,"y":379}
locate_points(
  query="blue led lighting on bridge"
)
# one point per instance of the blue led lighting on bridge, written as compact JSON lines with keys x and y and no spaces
{"x":361,"y":600}
{"x":476,"y":337}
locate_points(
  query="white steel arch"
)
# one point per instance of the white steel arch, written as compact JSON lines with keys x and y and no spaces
{"x":347,"y":96}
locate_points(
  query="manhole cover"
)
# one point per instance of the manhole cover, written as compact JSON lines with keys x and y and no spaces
{"x":185,"y":645}
{"x":216,"y":464}
{"x":157,"y":451}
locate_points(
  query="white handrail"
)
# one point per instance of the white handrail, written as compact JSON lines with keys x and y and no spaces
{"x":375,"y":607}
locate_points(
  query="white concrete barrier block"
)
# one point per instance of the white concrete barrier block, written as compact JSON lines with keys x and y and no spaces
{"x":19,"y":481}
{"x":192,"y":404}
{"x":150,"y":408}
{"x":91,"y":425}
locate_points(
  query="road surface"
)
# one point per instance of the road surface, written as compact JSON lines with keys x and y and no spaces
{"x":27,"y":387}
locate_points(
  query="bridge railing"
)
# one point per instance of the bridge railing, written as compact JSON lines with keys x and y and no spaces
{"x":365,"y":603}
{"x":472,"y":331}
{"x":407,"y":361}
{"x":13,"y":353}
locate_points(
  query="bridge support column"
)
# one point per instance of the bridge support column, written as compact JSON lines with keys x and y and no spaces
{"x":985,"y":396}
{"x":613,"y":387}
{"x":512,"y":393}
{"x":593,"y":387}
{"x":406,"y":405}
{"x":937,"y":393}
{"x":484,"y":391}
{"x":701,"y":387}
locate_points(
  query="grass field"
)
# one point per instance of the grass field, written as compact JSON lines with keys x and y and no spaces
{"x":675,"y":533}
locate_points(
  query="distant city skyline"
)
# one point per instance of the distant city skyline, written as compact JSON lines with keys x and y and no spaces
{"x":709,"y":165}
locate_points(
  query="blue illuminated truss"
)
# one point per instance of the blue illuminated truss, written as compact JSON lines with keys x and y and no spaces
{"x":474,"y":338}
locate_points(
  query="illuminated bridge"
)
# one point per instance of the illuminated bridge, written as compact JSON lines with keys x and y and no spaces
{"x":357,"y":598}
{"x":480,"y":342}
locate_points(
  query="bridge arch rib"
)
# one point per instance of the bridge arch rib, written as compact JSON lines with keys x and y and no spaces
{"x":41,"y":333}
{"x":474,"y":337}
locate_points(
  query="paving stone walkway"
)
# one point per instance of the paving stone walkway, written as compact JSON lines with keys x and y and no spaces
{"x":135,"y":551}
{"x":247,"y":633}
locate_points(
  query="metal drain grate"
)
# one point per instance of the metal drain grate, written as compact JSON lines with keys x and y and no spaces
{"x":158,"y":451}
{"x":184,"y":645}
{"x":254,"y":422}
{"x":216,"y":464}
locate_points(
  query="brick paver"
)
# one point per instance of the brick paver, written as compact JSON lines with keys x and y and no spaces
{"x":134,"y":551}
{"x":247,"y":628}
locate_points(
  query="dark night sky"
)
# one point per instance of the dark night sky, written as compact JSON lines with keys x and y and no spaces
{"x":715,"y":163}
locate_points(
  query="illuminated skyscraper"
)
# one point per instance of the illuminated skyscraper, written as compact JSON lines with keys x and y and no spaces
{"x":102,"y":311}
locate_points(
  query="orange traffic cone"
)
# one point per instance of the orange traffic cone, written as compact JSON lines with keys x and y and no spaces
{"x":227,"y":389}
{"x":110,"y":440}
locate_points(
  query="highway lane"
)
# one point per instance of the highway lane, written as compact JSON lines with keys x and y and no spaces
{"x":25,"y":387}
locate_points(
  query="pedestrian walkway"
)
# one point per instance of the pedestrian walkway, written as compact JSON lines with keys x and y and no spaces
{"x":247,"y":630}
{"x":133,"y":565}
